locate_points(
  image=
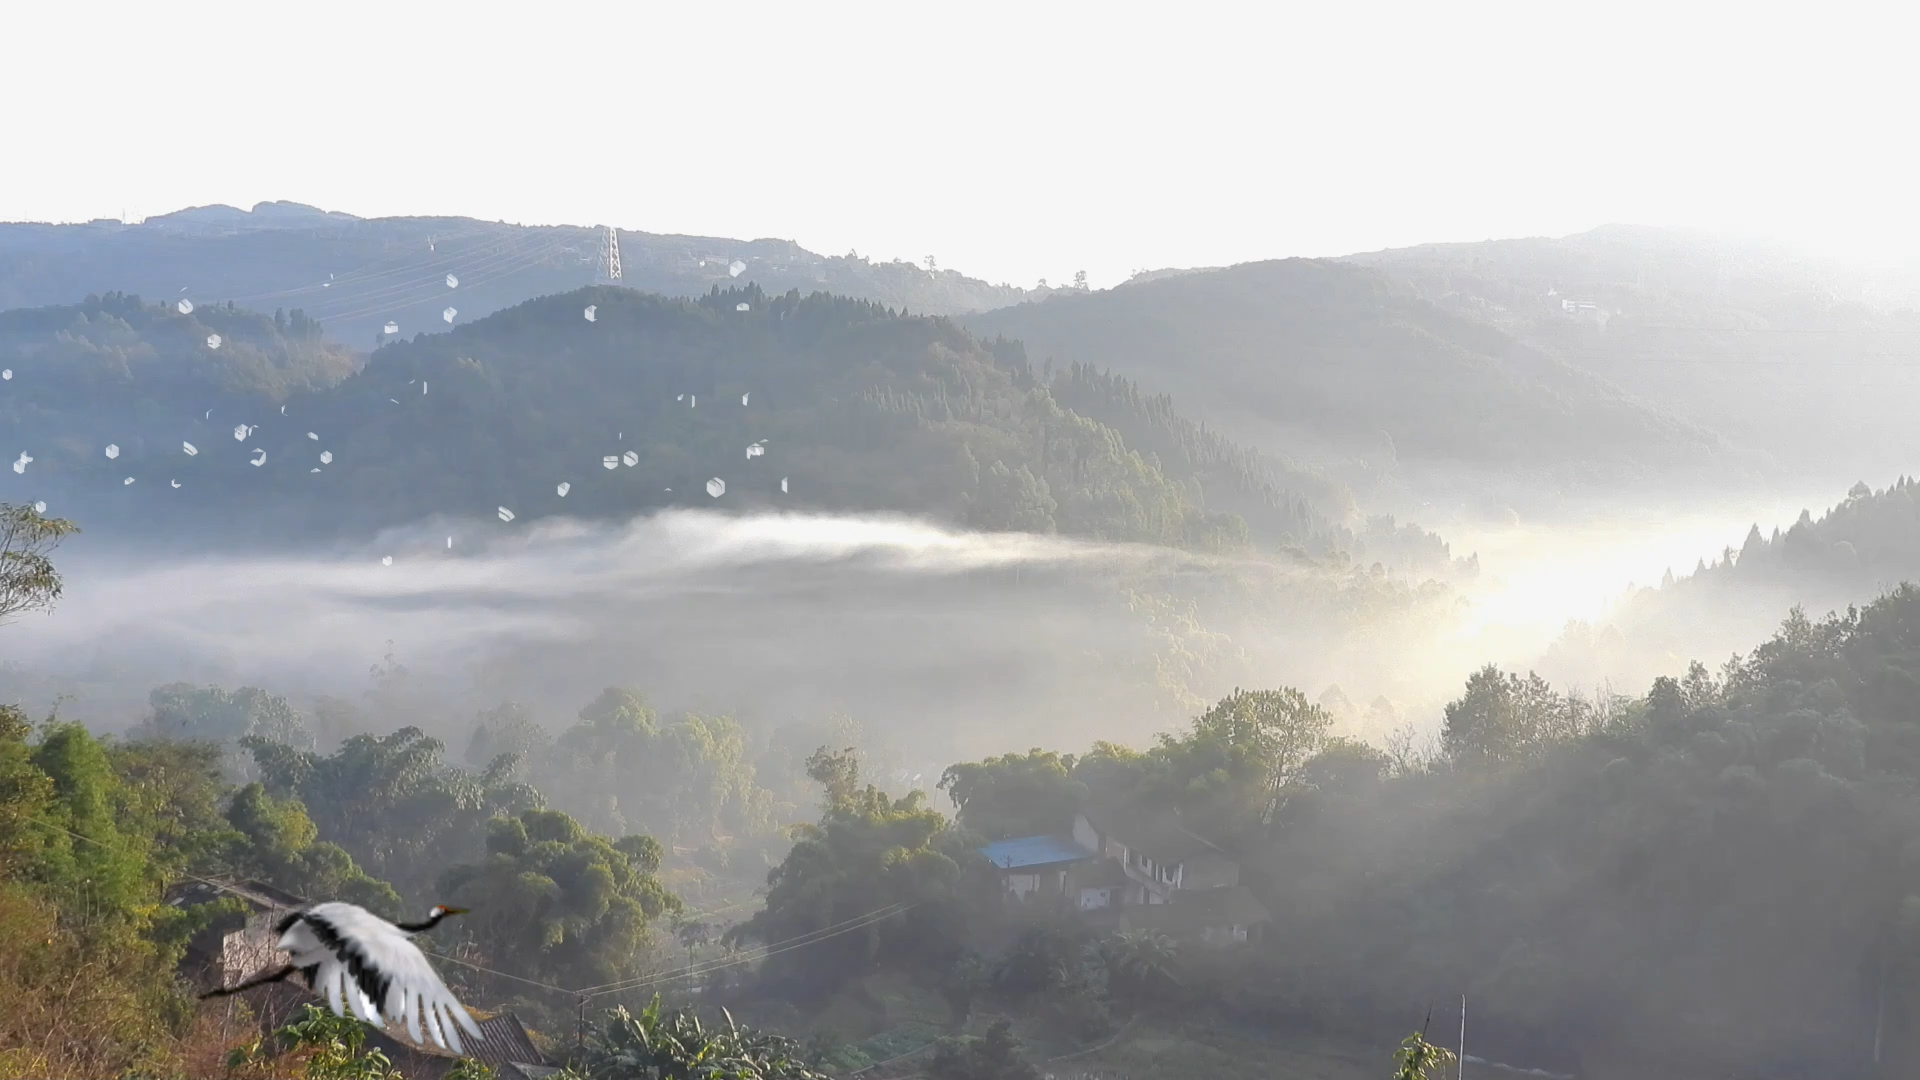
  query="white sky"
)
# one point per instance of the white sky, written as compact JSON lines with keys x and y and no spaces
{"x":1011,"y":140}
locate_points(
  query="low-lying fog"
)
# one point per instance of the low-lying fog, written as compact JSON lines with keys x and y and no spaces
{"x":1536,"y":575}
{"x":955,"y":644}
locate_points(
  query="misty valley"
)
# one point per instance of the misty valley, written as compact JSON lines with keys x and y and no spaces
{"x":770,"y":664}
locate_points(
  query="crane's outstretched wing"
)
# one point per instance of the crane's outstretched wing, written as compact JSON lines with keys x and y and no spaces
{"x":370,"y":964}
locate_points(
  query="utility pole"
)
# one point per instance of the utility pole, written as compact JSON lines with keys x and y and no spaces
{"x":1461,"y":1072}
{"x":1880,"y":1017}
{"x":610,"y":258}
{"x":580,"y":1030}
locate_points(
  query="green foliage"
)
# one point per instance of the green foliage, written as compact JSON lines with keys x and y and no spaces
{"x":28,"y":581}
{"x":1258,"y":736}
{"x":622,"y":768}
{"x":869,"y":853}
{"x":330,"y":1046}
{"x":552,"y":901}
{"x":1501,"y":718}
{"x":1344,"y":767}
{"x":79,"y":998}
{"x":1729,"y":848}
{"x":26,"y":797}
{"x":1416,"y":1056}
{"x":1057,"y":971}
{"x":1015,"y":795}
{"x":470,"y":1069}
{"x":90,"y":833}
{"x":1140,"y":963}
{"x":675,"y":1045}
{"x":507,"y":728}
{"x":278,"y":845}
{"x":993,"y":1056}
{"x":212,"y":714}
{"x":392,"y":804}
{"x":89,"y":863}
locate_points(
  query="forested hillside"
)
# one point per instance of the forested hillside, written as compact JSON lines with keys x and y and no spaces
{"x":1713,"y":878}
{"x":357,"y":274}
{"x":1768,"y":346}
{"x":1322,"y":359}
{"x":1862,"y":546}
{"x":815,"y":402}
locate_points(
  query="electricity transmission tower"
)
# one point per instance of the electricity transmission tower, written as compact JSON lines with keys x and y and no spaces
{"x":610,"y":257}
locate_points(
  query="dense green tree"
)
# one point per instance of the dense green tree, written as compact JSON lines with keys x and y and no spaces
{"x":28,"y":580}
{"x":1503,"y":718}
{"x":1226,"y":774}
{"x":90,"y":834}
{"x":1015,"y":794}
{"x":224,"y":718}
{"x":393,"y":804}
{"x":1271,"y":732}
{"x":622,"y":767}
{"x":89,"y":860}
{"x":278,"y":844}
{"x":880,"y":880}
{"x":551,"y":900}
{"x":508,"y":728}
{"x":26,"y":797}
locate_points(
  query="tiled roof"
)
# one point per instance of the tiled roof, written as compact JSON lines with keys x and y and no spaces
{"x":1028,"y":851}
{"x":503,"y":1042}
{"x":257,"y":894}
{"x":1158,"y":834}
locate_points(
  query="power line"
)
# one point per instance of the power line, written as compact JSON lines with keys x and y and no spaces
{"x":366,"y":272}
{"x":405,"y":294}
{"x":798,"y":941}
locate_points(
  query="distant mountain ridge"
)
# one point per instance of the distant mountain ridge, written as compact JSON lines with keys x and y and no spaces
{"x":1758,"y":341}
{"x":860,"y":407}
{"x":355,"y":275}
{"x":1324,"y":360}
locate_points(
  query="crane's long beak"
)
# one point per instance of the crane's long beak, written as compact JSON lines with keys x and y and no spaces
{"x":453,"y":910}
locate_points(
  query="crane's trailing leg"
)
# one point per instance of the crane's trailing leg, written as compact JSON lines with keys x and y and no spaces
{"x":257,"y":980}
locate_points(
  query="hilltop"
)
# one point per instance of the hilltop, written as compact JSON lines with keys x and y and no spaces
{"x":357,"y":274}
{"x":1327,"y":361}
{"x":1756,"y":341}
{"x":818,"y":402}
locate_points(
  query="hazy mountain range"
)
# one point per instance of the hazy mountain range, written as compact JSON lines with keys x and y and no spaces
{"x":356,"y":274}
{"x":1519,"y":373}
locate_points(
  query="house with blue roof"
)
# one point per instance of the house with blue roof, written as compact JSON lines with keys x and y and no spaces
{"x":1036,"y":865}
{"x":1133,"y":867}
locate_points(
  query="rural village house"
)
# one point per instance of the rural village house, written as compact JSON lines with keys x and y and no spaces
{"x":1140,"y":870}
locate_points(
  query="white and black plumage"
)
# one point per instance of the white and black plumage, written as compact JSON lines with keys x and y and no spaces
{"x":356,"y":959}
